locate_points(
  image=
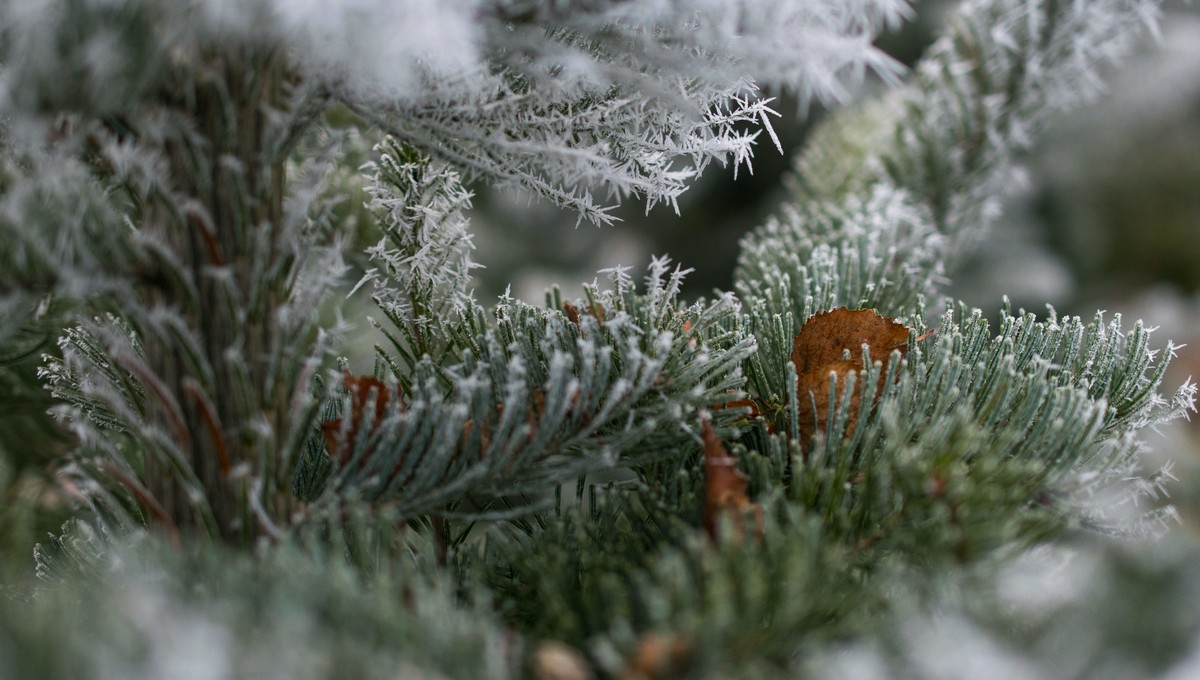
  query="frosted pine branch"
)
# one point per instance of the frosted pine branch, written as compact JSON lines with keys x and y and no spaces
{"x":888,"y":196}
{"x":575,"y":102}
{"x":542,"y":396}
{"x":948,"y":139}
{"x":568,"y":150}
{"x":423,"y":273}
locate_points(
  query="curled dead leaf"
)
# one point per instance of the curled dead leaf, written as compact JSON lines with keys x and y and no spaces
{"x":725,"y":486}
{"x":574,"y":314}
{"x":832,"y":342}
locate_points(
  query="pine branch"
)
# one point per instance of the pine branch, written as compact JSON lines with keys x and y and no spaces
{"x":191,"y":393}
{"x":972,"y":429}
{"x":423,"y":279}
{"x":941,"y":148}
{"x":889,"y":196}
{"x":567,"y":101}
{"x":544,"y":396}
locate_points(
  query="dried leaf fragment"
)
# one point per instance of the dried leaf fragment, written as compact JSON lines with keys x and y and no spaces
{"x":832,"y":342}
{"x":361,"y":389}
{"x":574,"y":315}
{"x":557,"y":661}
{"x":659,"y":656}
{"x":572,"y":312}
{"x":758,"y":410}
{"x":725,"y":486}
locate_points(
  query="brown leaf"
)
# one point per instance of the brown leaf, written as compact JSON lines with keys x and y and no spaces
{"x":755,"y":409}
{"x":572,"y":312}
{"x":820,"y":349}
{"x":725,"y":486}
{"x":659,"y":656}
{"x":360,"y":389}
{"x":557,"y":661}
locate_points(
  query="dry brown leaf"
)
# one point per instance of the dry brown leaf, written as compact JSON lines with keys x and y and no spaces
{"x":659,"y":656}
{"x":557,"y":661}
{"x":573,"y":313}
{"x":820,"y":349}
{"x":725,"y":486}
{"x":756,"y":410}
{"x":360,"y":388}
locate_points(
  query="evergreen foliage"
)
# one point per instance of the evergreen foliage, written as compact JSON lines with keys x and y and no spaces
{"x":515,"y":477}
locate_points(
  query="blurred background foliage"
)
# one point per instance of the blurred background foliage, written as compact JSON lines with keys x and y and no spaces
{"x":31,"y":444}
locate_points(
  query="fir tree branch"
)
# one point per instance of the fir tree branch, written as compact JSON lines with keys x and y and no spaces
{"x":541,"y":398}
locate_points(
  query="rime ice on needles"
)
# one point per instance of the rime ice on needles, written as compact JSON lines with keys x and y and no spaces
{"x":539,"y":396}
{"x":627,"y":98}
{"x":1016,"y":65}
{"x":875,"y":249}
{"x":424,"y":258}
{"x":578,"y":102}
